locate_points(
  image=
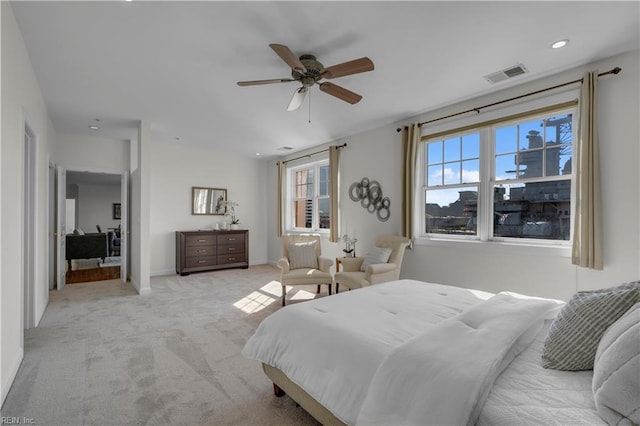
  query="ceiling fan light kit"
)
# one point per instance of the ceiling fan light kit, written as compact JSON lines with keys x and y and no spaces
{"x":307,"y":71}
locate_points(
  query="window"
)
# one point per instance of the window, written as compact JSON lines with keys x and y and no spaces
{"x":308,"y":200}
{"x":506,"y":179}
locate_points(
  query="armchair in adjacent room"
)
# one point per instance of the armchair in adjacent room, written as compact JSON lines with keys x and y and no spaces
{"x":114,"y":242}
{"x":381,"y":264}
{"x":302,"y":263}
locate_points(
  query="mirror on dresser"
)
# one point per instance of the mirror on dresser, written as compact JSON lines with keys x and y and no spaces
{"x":208,"y":201}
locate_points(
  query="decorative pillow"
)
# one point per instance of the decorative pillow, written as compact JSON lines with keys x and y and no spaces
{"x":616,"y":371}
{"x":78,"y":231}
{"x":376,"y":255}
{"x":303,"y":255}
{"x":575,"y":333}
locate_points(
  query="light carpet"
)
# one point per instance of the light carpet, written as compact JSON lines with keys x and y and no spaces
{"x":103,"y":355}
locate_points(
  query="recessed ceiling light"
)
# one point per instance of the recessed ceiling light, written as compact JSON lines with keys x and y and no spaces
{"x":560,"y":43}
{"x":94,"y":127}
{"x":257,"y":154}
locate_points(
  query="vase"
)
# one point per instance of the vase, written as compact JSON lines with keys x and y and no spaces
{"x":234,"y":226}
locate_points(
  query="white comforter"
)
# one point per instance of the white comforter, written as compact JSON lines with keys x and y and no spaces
{"x":340,"y":349}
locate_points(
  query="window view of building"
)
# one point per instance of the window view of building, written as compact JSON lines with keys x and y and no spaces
{"x":528,"y":179}
{"x":310,"y":200}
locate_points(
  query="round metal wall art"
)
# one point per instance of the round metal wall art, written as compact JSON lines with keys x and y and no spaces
{"x":369,"y":193}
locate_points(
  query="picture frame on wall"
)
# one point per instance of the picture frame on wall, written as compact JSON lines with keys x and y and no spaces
{"x":117,"y":214}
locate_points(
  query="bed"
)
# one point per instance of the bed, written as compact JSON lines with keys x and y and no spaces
{"x":379,"y":363}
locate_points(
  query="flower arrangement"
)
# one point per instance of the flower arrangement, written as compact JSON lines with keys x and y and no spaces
{"x":349,"y":246}
{"x":230,"y":211}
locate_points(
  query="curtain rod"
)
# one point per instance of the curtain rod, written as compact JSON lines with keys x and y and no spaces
{"x":344,"y":145}
{"x":615,"y":70}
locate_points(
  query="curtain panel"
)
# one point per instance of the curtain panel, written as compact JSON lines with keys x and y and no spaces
{"x":411,"y":137}
{"x":587,"y":231}
{"x":281,"y":192}
{"x":334,"y":194}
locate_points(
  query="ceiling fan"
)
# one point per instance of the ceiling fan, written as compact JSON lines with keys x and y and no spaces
{"x":308,"y":71}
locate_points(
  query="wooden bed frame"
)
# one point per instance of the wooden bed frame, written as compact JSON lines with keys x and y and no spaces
{"x":283,"y":385}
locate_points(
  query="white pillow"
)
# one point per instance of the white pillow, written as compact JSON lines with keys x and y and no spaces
{"x":79,"y":231}
{"x":303,"y":255}
{"x":616,"y":371}
{"x":376,"y":255}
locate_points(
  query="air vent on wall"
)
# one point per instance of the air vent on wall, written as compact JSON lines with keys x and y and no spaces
{"x":506,"y":74}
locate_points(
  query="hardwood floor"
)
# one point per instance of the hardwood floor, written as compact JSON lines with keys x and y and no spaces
{"x":95,"y":274}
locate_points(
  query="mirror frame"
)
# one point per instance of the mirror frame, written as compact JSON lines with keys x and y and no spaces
{"x":204,"y":210}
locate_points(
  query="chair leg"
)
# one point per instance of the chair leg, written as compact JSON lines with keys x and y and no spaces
{"x":337,"y":287}
{"x":318,"y":290}
{"x":329,"y":289}
{"x":284,"y":294}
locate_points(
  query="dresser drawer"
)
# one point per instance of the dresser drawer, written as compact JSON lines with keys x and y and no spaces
{"x":200,"y":240}
{"x":231,"y":248}
{"x":231,"y":258}
{"x":231,"y":238}
{"x":200,"y":251}
{"x":196,"y":261}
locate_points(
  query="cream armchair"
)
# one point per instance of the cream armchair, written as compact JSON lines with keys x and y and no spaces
{"x":353,"y":277}
{"x":302,"y":263}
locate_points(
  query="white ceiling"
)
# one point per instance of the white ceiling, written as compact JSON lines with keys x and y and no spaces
{"x":176,"y":64}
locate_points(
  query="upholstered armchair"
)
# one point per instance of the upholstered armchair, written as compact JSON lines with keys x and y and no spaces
{"x":302,"y":263}
{"x":381,"y":264}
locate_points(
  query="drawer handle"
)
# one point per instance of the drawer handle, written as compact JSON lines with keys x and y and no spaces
{"x":202,"y":261}
{"x":231,"y":239}
{"x":232,"y":248}
{"x":232,"y":258}
{"x":202,"y":241}
{"x":202,"y":251}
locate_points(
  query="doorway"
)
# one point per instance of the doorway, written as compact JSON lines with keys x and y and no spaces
{"x":29,"y":226}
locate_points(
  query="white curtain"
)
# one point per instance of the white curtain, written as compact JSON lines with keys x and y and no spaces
{"x":587,"y":230}
{"x":334,"y":195}
{"x":411,"y":136}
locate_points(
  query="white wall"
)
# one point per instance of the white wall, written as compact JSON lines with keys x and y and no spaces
{"x":175,"y":169}
{"x":21,"y":101}
{"x":95,"y":204}
{"x":91,"y":153}
{"x":376,"y":154}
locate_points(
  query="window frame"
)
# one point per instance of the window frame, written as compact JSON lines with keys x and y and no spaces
{"x":486,"y":124}
{"x":289,"y":210}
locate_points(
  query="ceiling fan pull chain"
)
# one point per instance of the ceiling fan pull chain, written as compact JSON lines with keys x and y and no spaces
{"x":309,"y":106}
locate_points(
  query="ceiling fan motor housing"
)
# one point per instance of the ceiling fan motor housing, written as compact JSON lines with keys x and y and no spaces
{"x":314,"y":69}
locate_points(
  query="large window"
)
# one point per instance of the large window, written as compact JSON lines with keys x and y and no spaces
{"x":508,"y":179}
{"x":308,"y":200}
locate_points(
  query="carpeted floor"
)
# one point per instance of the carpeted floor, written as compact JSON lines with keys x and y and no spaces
{"x":103,"y":355}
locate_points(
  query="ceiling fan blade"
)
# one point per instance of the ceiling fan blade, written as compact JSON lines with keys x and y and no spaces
{"x":287,"y":55}
{"x":356,"y":66}
{"x":258,"y":82}
{"x":340,"y":92}
{"x":297,"y":99}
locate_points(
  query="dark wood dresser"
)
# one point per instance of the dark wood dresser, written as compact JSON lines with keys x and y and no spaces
{"x":208,"y":250}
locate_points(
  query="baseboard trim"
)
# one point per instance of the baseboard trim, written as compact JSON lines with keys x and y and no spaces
{"x":6,"y":387}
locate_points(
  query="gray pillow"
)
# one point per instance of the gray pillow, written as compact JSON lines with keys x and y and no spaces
{"x":376,"y":255}
{"x":303,"y":255}
{"x":575,"y":333}
{"x":616,"y":371}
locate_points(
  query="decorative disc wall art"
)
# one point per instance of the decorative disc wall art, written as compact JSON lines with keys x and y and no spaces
{"x":369,"y":193}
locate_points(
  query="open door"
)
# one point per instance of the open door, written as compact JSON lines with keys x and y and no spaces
{"x":124,"y":225}
{"x":61,"y":232}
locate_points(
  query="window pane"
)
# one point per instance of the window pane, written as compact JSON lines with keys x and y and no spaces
{"x":452,"y":149}
{"x":471,"y":171}
{"x":553,"y":162}
{"x":324,"y":180}
{"x":304,"y":183}
{"x":533,"y":210}
{"x":471,"y":146}
{"x":506,"y":167}
{"x":323,"y":212}
{"x":303,"y":213}
{"x":434,"y":177}
{"x":434,"y":152}
{"x":451,"y":173}
{"x":506,"y":140}
{"x":530,"y":163}
{"x":451,"y":211}
{"x":558,"y":130}
{"x":530,"y":136}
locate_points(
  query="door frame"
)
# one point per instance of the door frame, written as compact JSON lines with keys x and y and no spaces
{"x":29,"y":226}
